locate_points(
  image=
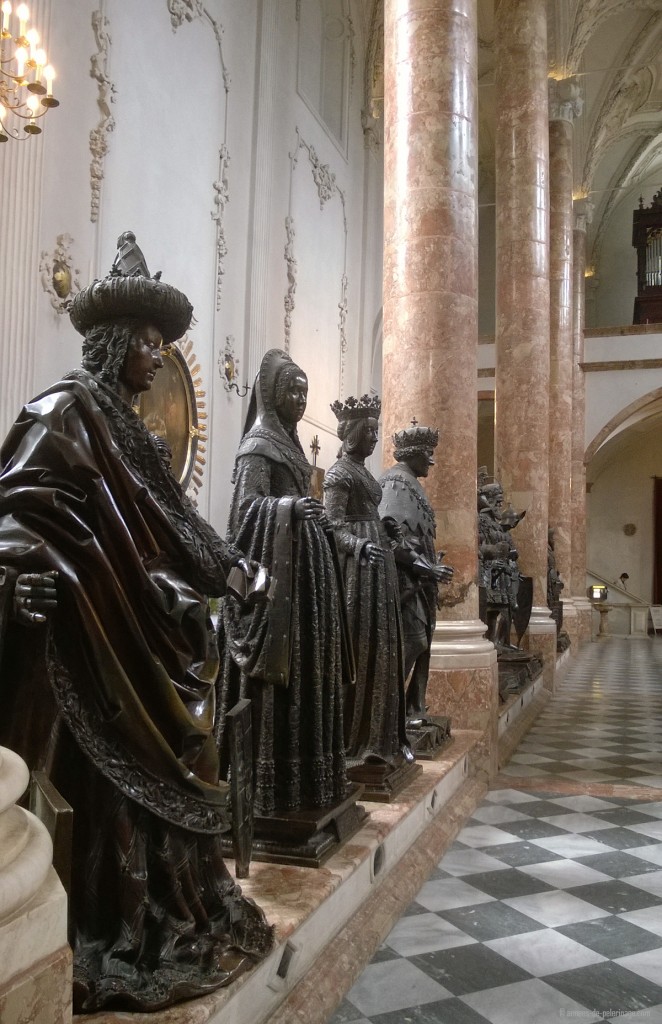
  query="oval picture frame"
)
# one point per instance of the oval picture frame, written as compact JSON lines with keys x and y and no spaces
{"x":170,"y":410}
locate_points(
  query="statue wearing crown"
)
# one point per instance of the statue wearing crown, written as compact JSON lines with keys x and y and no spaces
{"x":378,"y":751}
{"x":405,"y":503}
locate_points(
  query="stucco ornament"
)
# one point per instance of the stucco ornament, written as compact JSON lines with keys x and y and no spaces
{"x":59,"y":279}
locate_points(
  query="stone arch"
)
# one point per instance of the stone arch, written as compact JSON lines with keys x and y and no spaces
{"x":635,"y":411}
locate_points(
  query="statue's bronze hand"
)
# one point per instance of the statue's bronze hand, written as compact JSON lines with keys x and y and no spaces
{"x":308,"y":508}
{"x":375,"y":554}
{"x":35,"y":595}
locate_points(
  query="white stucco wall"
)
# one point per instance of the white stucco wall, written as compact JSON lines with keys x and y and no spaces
{"x":179,"y":93}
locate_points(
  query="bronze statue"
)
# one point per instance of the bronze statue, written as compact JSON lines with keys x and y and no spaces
{"x":554,"y":587}
{"x":419,"y":572}
{"x":286,"y":656}
{"x":109,"y":663}
{"x":377,"y":746}
{"x":505,"y":595}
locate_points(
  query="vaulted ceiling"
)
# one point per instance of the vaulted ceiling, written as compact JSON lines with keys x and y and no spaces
{"x":613,"y":48}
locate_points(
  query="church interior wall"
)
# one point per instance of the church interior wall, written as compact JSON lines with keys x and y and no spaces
{"x":621,"y":493}
{"x":613,"y":262}
{"x":194,"y":108}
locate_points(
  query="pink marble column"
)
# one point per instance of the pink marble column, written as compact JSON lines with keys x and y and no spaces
{"x":522,"y":294}
{"x":431,"y":308}
{"x":582,"y":214}
{"x":564,"y":105}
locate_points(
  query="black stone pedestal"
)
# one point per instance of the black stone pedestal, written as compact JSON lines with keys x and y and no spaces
{"x":428,"y":736}
{"x":307,"y":837}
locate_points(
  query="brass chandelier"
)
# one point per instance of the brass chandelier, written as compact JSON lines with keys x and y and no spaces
{"x":26,"y":77}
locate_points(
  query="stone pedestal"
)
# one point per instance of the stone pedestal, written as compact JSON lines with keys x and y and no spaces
{"x":36,"y":962}
{"x":584,"y":618}
{"x":540,"y":639}
{"x":571,"y":620}
{"x":464,"y":684}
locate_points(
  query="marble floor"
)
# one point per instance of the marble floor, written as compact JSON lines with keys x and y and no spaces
{"x":548,"y":906}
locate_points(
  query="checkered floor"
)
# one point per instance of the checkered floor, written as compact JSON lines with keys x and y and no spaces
{"x":548,"y":907}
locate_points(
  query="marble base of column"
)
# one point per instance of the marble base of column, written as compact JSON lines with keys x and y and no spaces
{"x":585,"y":616}
{"x":540,"y":639}
{"x":464,"y":684}
{"x":570,"y":621}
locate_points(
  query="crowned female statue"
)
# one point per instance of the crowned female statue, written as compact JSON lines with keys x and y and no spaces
{"x":287,"y":655}
{"x":109,"y":662}
{"x":377,"y":747}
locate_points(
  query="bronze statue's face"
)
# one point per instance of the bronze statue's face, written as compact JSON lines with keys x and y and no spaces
{"x":368,"y":437}
{"x":420,"y":462}
{"x":143,"y":359}
{"x":292,"y":404}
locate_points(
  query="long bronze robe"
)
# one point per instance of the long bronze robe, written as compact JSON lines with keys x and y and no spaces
{"x":115,"y":698}
{"x":286,"y":655}
{"x":375,"y":708}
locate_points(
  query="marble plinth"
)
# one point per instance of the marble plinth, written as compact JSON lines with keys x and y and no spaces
{"x":40,"y":995}
{"x":464,"y":684}
{"x":358,"y":893}
{"x":540,"y":639}
{"x":571,"y":621}
{"x":585,"y":618}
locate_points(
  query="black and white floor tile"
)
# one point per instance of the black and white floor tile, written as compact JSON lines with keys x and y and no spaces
{"x":548,"y":907}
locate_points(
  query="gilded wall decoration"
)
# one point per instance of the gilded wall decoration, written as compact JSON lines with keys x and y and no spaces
{"x":106,"y":96}
{"x":59,"y":278}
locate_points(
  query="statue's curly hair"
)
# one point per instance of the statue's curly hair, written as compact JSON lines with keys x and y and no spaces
{"x":105,"y":348}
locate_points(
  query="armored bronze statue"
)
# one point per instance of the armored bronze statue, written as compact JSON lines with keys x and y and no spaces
{"x":419,"y":571}
{"x":109,"y":662}
{"x":378,"y":750}
{"x":286,"y":656}
{"x":498,"y":572}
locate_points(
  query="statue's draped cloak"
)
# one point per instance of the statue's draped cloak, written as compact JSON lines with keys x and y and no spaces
{"x":375,"y":707}
{"x":116,"y":699}
{"x":284,"y":655}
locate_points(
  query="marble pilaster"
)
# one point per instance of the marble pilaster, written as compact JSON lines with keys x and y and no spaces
{"x":431,"y":308}
{"x":522,"y":289}
{"x":582,"y":217}
{"x":565,"y":104}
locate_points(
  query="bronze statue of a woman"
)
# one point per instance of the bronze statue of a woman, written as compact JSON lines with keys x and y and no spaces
{"x":377,"y":747}
{"x":286,"y":656}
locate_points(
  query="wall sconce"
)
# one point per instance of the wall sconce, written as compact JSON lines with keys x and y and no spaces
{"x":228,"y":365}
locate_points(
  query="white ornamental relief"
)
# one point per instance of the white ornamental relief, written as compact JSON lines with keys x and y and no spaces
{"x":184,"y":10}
{"x":181,"y":12}
{"x":323,"y":177}
{"x":105,"y":96}
{"x":291,"y":264}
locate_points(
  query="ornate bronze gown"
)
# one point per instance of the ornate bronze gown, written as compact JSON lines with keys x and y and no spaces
{"x":115,"y":698}
{"x":375,"y":710}
{"x":286,"y":655}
